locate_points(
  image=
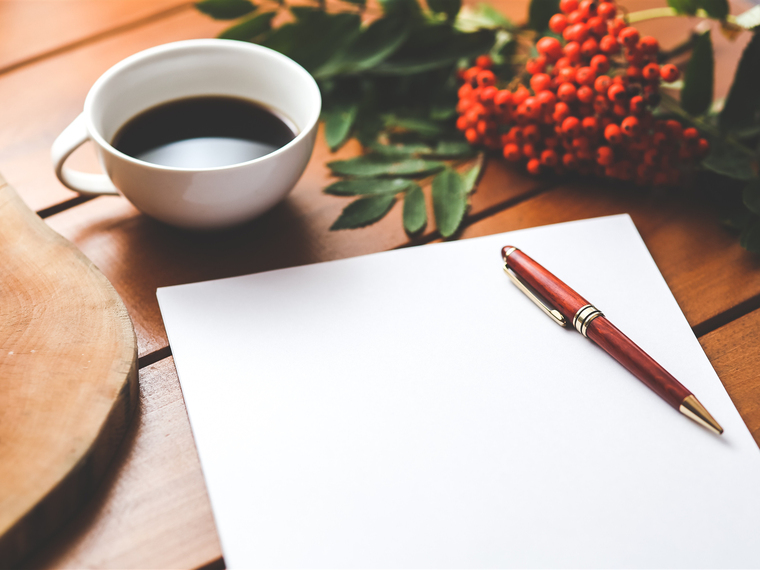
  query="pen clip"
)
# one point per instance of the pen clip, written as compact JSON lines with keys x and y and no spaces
{"x":555,"y":315}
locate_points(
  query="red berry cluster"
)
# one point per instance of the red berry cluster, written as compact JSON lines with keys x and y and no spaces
{"x":578,"y":114}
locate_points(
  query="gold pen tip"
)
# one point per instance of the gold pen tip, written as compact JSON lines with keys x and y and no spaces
{"x":692,"y":408}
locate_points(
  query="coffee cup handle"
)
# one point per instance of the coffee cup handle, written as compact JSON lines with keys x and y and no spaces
{"x":67,"y":142}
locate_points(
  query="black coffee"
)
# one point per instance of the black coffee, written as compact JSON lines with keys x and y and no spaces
{"x":203,"y":132}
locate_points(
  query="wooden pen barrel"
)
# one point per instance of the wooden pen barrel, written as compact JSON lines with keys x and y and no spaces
{"x":638,"y":362}
{"x":545,"y":283}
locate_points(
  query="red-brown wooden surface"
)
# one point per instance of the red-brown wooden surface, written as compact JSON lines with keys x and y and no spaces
{"x":152,"y":510}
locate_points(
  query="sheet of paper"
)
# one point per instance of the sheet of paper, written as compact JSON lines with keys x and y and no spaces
{"x":414,"y":409}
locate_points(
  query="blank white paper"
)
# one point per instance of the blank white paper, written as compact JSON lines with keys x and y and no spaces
{"x":413,"y":409}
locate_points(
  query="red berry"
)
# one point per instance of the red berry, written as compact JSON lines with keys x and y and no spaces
{"x":703,"y":147}
{"x":512,"y":152}
{"x":601,"y":104}
{"x":503,"y":99}
{"x":579,"y":32}
{"x":633,"y":72}
{"x":585,"y":76}
{"x":575,"y":17}
{"x":529,"y":150}
{"x":606,"y":10}
{"x":585,"y":94}
{"x":620,"y":110}
{"x":590,"y":125}
{"x":602,"y":84}
{"x":486,"y":78}
{"x":568,"y":6}
{"x":569,"y":160}
{"x":516,"y":134}
{"x":674,"y":128}
{"x":690,"y":135}
{"x":605,"y":155}
{"x":561,"y":112}
{"x":562,"y":63}
{"x":471,"y":135}
{"x":571,"y":126}
{"x":616,"y":26}
{"x":532,"y":108}
{"x":648,"y":45}
{"x":533,"y":166}
{"x":462,"y":123}
{"x":566,"y":75}
{"x":549,"y":157}
{"x":547,"y":100}
{"x":589,"y":48}
{"x":572,"y":51}
{"x":588,"y":8}
{"x":484,"y":61}
{"x":669,"y":73}
{"x":531,"y":133}
{"x":540,"y":82}
{"x":612,"y":134}
{"x":636,"y":105}
{"x":597,"y":25}
{"x":629,"y":36}
{"x":566,"y":92}
{"x":536,"y":65}
{"x":609,"y":45}
{"x":520,"y":95}
{"x":487,"y":94}
{"x":581,"y":143}
{"x":557,"y":23}
{"x":630,"y":126}
{"x":616,"y":92}
{"x":651,"y":72}
{"x":482,"y":127}
{"x":549,"y":47}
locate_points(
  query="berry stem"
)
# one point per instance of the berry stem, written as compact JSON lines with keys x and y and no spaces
{"x":672,"y":105}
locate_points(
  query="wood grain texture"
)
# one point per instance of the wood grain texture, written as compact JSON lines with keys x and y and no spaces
{"x":40,"y":100}
{"x":734,"y":351}
{"x":32,"y":29}
{"x":153,"y":511}
{"x":68,"y":378}
{"x":703,"y":263}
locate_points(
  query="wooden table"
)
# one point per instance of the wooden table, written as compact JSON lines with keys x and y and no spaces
{"x":152,"y":510}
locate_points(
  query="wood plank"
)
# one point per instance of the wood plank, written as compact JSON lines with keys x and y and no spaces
{"x":31,"y":29}
{"x":703,"y":264}
{"x":40,"y":100}
{"x":153,"y":511}
{"x":734,"y":351}
{"x":68,"y":378}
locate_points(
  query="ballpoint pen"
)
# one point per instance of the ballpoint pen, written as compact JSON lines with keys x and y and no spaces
{"x":563,"y":304}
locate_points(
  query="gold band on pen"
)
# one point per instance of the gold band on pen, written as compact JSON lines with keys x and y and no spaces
{"x":584,"y":316}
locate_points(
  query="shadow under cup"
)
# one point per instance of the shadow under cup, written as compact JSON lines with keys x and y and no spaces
{"x":204,"y":198}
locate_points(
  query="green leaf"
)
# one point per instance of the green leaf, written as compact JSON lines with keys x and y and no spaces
{"x":373,"y":45}
{"x":750,"y":237}
{"x":435,"y":47}
{"x":423,"y":127}
{"x":408,"y":7}
{"x":415,"y":213}
{"x":683,"y":6}
{"x":717,"y":9}
{"x":697,"y":92}
{"x":540,"y":12}
{"x":373,"y":165}
{"x":729,"y":161}
{"x":749,"y":19}
{"x":482,"y":16}
{"x":450,"y":149}
{"x":449,"y":201}
{"x":368,"y":186}
{"x":363,"y":212}
{"x":470,"y":178}
{"x":743,"y":99}
{"x":448,"y":7}
{"x":338,"y":123}
{"x":225,"y":9}
{"x":250,"y":27}
{"x":751,"y":196}
{"x":402,"y":150}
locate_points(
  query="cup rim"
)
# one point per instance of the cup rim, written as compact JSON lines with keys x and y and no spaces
{"x":213,"y":43}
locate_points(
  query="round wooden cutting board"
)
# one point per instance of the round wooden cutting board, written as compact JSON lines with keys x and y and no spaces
{"x":68,"y":378}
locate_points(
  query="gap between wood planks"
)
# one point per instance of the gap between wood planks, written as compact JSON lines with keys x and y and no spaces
{"x":95,"y":38}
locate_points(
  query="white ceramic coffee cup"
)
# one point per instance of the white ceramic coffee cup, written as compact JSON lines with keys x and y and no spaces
{"x":202,"y":198}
